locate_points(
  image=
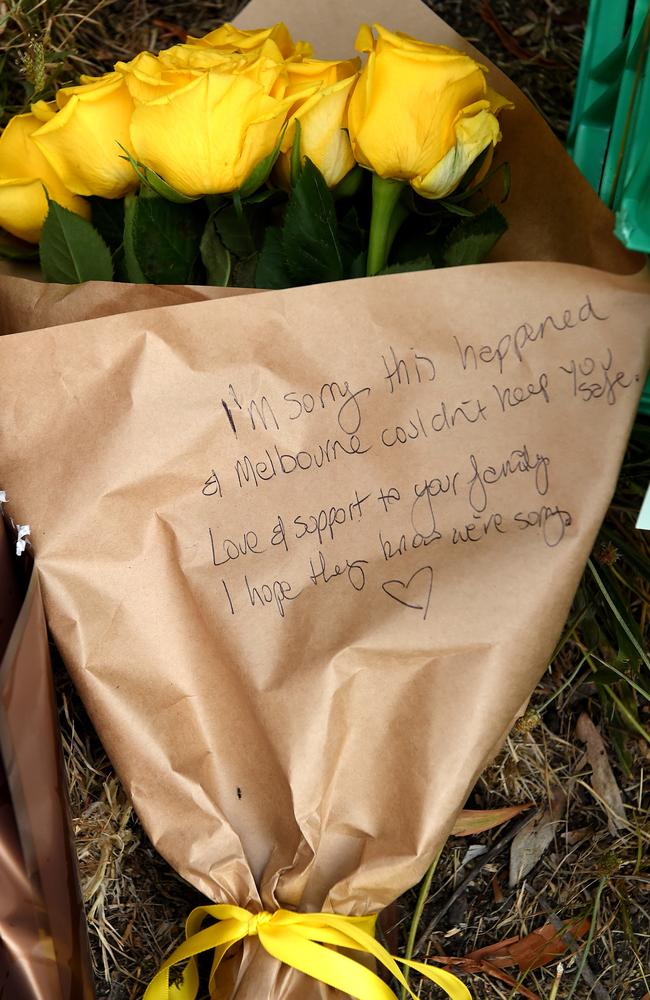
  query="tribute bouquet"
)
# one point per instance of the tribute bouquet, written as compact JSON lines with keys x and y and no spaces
{"x":238,"y":159}
{"x":306,"y":552}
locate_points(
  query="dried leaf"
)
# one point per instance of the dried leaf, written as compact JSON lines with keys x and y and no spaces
{"x":574,"y":837}
{"x":473,"y":851}
{"x":602,"y":777}
{"x":472,"y":821}
{"x":546,"y":945}
{"x":531,"y":842}
{"x":474,"y":966}
{"x":536,"y":949}
{"x":497,"y":952}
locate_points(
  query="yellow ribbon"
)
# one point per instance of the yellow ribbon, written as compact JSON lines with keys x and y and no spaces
{"x":298,"y":940}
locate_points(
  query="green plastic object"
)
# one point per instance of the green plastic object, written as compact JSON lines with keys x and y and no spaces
{"x":609,"y":134}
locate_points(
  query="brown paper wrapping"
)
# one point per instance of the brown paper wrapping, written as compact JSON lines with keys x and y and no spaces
{"x":299,"y":702}
{"x":44,"y":953}
{"x":27,"y":303}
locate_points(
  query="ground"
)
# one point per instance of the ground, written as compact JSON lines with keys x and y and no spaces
{"x":594,"y":870}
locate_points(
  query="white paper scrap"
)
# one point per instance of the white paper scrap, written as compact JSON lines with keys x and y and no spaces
{"x":643,"y":520}
{"x":21,"y":538}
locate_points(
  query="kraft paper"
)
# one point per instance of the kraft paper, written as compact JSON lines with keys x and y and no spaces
{"x":307,"y":552}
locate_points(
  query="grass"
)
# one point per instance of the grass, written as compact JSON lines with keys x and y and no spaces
{"x":601,"y":667}
{"x":135,"y":903}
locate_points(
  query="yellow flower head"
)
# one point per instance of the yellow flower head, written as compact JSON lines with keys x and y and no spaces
{"x":228,"y":38}
{"x":82,"y":140}
{"x":420,"y":113}
{"x":25,"y":174}
{"x":207,"y":131}
{"x":321,"y":90}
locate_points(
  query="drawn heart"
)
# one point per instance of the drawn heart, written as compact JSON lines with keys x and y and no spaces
{"x":415,"y":593}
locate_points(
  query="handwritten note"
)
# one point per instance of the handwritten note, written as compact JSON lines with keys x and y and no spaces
{"x":385,"y":532}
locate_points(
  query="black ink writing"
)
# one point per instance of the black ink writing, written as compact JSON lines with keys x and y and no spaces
{"x":415,"y":593}
{"x":519,"y":460}
{"x":552,"y":521}
{"x":422,"y":515}
{"x":276,"y":593}
{"x":392,"y":495}
{"x":475,"y":531}
{"x":399,"y":371}
{"x":603,"y":381}
{"x":228,"y":597}
{"x":264,"y":413}
{"x":406,"y":543}
{"x":277,"y":462}
{"x":514,"y":395}
{"x":231,"y":550}
{"x":349,"y":414}
{"x":468,"y":411}
{"x":230,"y":416}
{"x":212,"y":486}
{"x":322,"y":573}
{"x":527,"y":333}
{"x":323,"y":524}
{"x":279,"y":534}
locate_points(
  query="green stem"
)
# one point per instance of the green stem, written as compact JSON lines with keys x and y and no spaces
{"x":423,"y":896}
{"x":590,"y":938}
{"x":387,"y":217}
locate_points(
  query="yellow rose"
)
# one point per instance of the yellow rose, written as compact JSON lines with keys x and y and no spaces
{"x":232,"y":39}
{"x":145,"y":77}
{"x":307,"y":73}
{"x":321,"y":91}
{"x":208,"y":135}
{"x":81,"y":140}
{"x":24,"y":172}
{"x":148,"y":77}
{"x":420,"y":113}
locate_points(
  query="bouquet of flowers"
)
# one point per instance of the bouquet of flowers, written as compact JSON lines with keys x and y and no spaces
{"x":305,"y":552}
{"x":240,"y":159}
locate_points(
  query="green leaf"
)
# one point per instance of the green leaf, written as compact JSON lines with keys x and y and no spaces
{"x":154,"y":182}
{"x":621,"y":613}
{"x":236,"y":230}
{"x":463,"y":193}
{"x":215,"y":256}
{"x":507,"y":177}
{"x":271,"y":265}
{"x":107,"y":215}
{"x":353,"y":242}
{"x":472,"y":239}
{"x":266,"y":194}
{"x":259,"y":175}
{"x":14,"y":249}
{"x":165,"y":190}
{"x":422,"y":236}
{"x":134,"y":272}
{"x":243,"y":272}
{"x":473,"y":170}
{"x":352,"y":235}
{"x":357,"y":267}
{"x":71,"y":250}
{"x":310,"y":234}
{"x":216,"y":201}
{"x":167,"y":240}
{"x":419,"y":264}
{"x":458,"y":209}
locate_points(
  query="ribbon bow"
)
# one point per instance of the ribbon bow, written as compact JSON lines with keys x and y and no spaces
{"x":299,"y":940}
